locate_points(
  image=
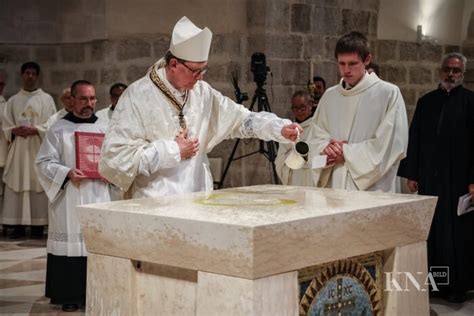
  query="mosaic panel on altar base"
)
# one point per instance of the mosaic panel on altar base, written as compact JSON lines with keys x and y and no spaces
{"x":345,"y":287}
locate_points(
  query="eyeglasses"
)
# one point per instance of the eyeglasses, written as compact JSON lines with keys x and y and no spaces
{"x":298,"y":108}
{"x":195,"y":72}
{"x":85,"y":100}
{"x":448,"y":70}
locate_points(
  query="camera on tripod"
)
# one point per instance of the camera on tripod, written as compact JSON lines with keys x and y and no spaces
{"x":259,"y":68}
{"x":268,"y":149}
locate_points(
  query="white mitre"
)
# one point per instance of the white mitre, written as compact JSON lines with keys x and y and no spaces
{"x":189,"y":42}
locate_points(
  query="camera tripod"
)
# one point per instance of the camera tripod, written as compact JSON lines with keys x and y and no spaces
{"x":267,"y":148}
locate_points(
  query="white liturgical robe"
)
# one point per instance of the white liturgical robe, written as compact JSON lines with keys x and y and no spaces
{"x":372,"y":118}
{"x":55,"y":159}
{"x":3,"y":144}
{"x":288,"y":176}
{"x":53,"y":119}
{"x":3,"y":141}
{"x":140,"y":152}
{"x":24,"y":202}
{"x":105,"y":114}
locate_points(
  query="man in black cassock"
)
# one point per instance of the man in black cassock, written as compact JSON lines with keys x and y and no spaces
{"x":440,"y":162}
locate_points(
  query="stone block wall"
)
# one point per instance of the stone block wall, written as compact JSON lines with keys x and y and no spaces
{"x":413,"y":67}
{"x":103,"y":62}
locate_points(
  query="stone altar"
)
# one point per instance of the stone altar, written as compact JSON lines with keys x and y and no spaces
{"x":238,"y":251}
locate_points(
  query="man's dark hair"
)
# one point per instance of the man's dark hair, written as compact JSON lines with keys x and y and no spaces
{"x":77,"y":84}
{"x":353,"y":42}
{"x":30,"y":65}
{"x":318,"y":78}
{"x":301,"y":93}
{"x":117,"y":85}
{"x":375,"y":67}
{"x":169,"y":56}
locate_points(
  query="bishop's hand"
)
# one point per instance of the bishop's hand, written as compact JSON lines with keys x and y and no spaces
{"x":188,"y":147}
{"x":291,"y":131}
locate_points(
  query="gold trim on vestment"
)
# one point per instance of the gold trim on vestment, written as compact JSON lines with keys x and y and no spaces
{"x":164,"y":89}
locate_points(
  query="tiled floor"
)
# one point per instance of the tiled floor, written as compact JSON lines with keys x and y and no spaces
{"x":23,"y":271}
{"x":22,"y":277}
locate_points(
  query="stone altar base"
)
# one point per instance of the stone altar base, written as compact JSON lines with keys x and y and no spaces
{"x":238,"y":251}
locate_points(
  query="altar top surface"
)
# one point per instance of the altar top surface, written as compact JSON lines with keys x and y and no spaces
{"x":256,"y":231}
{"x":258,"y":205}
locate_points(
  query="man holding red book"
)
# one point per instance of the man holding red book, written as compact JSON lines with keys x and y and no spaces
{"x":67,"y":169}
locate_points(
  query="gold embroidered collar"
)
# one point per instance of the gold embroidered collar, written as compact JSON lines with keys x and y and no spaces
{"x":169,"y":95}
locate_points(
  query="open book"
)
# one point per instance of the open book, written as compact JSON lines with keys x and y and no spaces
{"x":88,"y":147}
{"x":465,"y":204}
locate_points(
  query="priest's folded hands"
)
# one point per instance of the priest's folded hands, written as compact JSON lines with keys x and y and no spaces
{"x":24,"y":131}
{"x":334,"y":151}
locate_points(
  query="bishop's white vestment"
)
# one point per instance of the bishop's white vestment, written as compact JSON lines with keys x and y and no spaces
{"x":24,"y":201}
{"x":140,"y":152}
{"x":372,"y":118}
{"x":55,"y":159}
{"x":300,"y":177}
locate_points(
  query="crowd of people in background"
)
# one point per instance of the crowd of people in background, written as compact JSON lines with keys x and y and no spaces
{"x":160,"y":128}
{"x":41,"y":183}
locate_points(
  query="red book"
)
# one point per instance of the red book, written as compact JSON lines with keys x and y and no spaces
{"x":88,"y":147}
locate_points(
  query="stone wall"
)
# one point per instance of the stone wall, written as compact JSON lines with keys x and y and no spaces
{"x":298,"y":37}
{"x":412,"y":67}
{"x":52,"y":21}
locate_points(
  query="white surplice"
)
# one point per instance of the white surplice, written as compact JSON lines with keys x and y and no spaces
{"x":53,"y":119}
{"x":105,"y":114}
{"x":300,"y":177}
{"x":372,"y":118}
{"x":3,"y":144}
{"x":140,"y":152}
{"x":25,"y":203}
{"x":3,"y":140}
{"x":55,"y":158}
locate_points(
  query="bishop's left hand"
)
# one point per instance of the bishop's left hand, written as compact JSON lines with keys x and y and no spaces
{"x":471,"y":191}
{"x":291,"y":131}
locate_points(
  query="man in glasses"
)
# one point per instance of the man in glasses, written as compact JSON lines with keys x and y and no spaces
{"x":360,"y":124}
{"x":301,"y":107}
{"x":115,"y":92}
{"x":166,"y":122}
{"x":66,"y":187}
{"x":25,"y":202}
{"x":440,"y":162}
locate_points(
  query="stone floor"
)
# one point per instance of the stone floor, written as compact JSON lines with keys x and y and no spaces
{"x":22,"y":277}
{"x":23,"y":271}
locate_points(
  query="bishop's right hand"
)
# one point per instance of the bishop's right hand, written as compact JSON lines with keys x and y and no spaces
{"x":188,"y":147}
